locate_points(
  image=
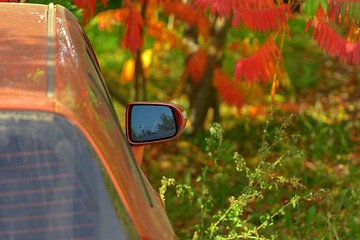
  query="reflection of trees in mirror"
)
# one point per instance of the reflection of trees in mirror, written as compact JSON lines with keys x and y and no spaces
{"x":167,"y":123}
{"x":145,"y":132}
{"x":164,"y":127}
{"x":142,"y":132}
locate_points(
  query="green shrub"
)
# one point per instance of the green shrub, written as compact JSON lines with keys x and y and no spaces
{"x":247,"y":199}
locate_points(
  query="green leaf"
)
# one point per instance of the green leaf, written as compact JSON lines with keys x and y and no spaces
{"x":351,"y":10}
{"x":324,"y":4}
{"x":357,"y":12}
{"x":343,"y":11}
{"x":310,"y":7}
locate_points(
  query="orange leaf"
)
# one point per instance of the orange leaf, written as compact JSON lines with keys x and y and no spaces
{"x":196,"y":65}
{"x":190,"y":15}
{"x":164,"y":36}
{"x":107,"y":18}
{"x":245,"y":47}
{"x":227,"y":89}
{"x":181,"y":11}
{"x":127,"y":71}
{"x":203,"y":26}
{"x":274,"y":86}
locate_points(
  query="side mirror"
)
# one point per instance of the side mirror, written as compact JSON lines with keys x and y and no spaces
{"x":149,"y":122}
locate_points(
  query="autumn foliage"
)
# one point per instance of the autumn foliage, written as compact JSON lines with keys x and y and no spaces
{"x":262,"y":16}
{"x":188,"y":14}
{"x":334,"y":44}
{"x":268,"y":18}
{"x":195,"y":65}
{"x":133,"y":24}
{"x":346,"y":13}
{"x":88,"y":8}
{"x":227,"y":88}
{"x":267,"y":57}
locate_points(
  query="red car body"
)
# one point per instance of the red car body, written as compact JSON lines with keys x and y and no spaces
{"x":49,"y":79}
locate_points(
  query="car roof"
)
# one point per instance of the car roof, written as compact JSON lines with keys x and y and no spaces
{"x":23,"y":48}
{"x":42,"y":53}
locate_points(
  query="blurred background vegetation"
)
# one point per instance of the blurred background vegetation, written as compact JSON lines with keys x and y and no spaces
{"x":282,"y":164}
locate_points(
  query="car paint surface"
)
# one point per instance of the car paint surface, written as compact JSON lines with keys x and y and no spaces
{"x":46,"y":64}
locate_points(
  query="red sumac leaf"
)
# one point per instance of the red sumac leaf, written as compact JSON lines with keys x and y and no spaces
{"x":256,"y":3}
{"x":196,"y":65}
{"x":261,"y":66}
{"x":343,"y":10}
{"x":227,"y":89}
{"x":88,"y":8}
{"x":190,"y":15}
{"x":262,"y":20}
{"x":223,"y":8}
{"x":181,"y":11}
{"x":133,"y":26}
{"x":334,"y":44}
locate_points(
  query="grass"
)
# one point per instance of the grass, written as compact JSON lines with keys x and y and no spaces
{"x":285,"y":177}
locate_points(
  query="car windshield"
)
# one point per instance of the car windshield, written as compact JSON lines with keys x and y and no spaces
{"x":52,"y":184}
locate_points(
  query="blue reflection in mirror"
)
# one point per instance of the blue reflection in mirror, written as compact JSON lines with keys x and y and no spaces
{"x":151,"y":123}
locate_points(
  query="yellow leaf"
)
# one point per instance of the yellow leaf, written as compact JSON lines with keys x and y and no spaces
{"x":146,"y":58}
{"x":127,"y":71}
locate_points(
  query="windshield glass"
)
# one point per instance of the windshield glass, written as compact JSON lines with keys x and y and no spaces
{"x":52,"y":184}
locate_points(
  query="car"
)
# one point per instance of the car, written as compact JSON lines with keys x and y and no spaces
{"x":67,"y":170}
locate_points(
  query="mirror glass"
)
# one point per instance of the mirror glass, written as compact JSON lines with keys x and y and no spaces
{"x":151,"y":123}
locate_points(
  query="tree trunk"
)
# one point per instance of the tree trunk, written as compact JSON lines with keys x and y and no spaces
{"x":204,"y":96}
{"x":139,"y":76}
